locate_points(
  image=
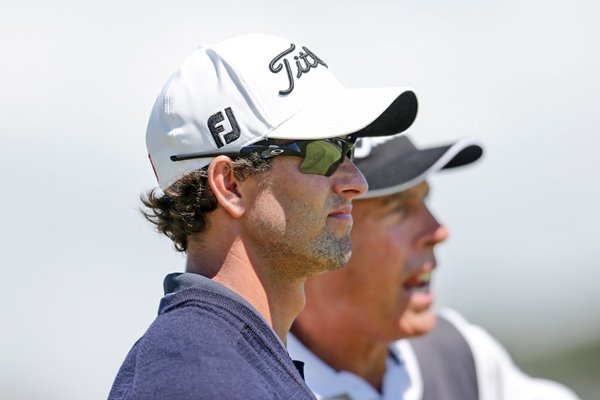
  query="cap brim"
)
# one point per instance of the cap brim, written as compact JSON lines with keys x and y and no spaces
{"x":399,"y":173}
{"x":360,"y":112}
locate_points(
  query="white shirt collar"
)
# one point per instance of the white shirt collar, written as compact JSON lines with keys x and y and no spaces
{"x":328,"y":383}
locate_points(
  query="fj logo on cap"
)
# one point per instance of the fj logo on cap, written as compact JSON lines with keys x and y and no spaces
{"x":305,"y":60}
{"x":215,"y":127}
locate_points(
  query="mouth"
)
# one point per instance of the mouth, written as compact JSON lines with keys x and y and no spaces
{"x":344,"y":212}
{"x":419,"y":283}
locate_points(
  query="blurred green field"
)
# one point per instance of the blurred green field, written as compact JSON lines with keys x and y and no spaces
{"x":578,"y":368}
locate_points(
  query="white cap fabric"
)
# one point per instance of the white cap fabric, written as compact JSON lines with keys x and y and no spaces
{"x":249,"y":88}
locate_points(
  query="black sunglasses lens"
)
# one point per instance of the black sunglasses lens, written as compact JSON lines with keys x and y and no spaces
{"x":321,"y":158}
{"x":350,"y":151}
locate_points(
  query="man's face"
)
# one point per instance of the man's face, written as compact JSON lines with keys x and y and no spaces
{"x":301,"y":222}
{"x":383,"y":292}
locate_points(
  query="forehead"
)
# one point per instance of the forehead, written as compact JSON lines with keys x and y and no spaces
{"x":420,"y":191}
{"x":380,"y":206}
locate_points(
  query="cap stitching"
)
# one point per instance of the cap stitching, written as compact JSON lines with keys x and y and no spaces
{"x":254,"y":101}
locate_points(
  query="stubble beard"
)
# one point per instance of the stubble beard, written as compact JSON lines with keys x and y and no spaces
{"x":291,"y":254}
{"x":333,"y":253}
{"x":293,"y":257}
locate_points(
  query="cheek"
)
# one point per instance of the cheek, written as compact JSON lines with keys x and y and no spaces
{"x":267,"y":214}
{"x":302,"y":192}
{"x":376,"y":274}
{"x":293,"y":199}
{"x":380,"y":258}
{"x":381,"y":250}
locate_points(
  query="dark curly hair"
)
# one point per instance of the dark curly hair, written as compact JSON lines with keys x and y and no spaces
{"x":182,"y":208}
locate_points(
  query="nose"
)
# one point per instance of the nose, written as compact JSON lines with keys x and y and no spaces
{"x":434,"y":232}
{"x":348,"y":181}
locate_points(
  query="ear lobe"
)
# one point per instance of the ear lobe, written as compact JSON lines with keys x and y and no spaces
{"x":225,"y":186}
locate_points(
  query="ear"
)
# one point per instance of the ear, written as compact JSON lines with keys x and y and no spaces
{"x":226,"y":186}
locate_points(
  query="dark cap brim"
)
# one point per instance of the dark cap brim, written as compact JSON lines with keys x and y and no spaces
{"x":398,"y":165}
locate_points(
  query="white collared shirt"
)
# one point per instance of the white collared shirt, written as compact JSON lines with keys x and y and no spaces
{"x":498,"y":378}
{"x":402,"y":379}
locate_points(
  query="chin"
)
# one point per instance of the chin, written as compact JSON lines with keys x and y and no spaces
{"x":417,"y":324}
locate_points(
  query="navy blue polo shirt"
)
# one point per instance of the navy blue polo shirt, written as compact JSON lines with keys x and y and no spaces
{"x":207,"y":342}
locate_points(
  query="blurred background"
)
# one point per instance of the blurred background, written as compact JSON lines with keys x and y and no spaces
{"x":83,"y":271}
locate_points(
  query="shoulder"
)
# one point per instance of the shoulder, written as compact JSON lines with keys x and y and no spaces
{"x":447,"y":343}
{"x":207,"y":349}
{"x":191,"y":350}
{"x":496,"y":371}
{"x":484,"y":346}
{"x":446,"y":363}
{"x":471,"y":332}
{"x":190,"y":326}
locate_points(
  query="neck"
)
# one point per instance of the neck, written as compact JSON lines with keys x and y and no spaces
{"x":347,"y":352}
{"x":276,"y":299}
{"x":280,"y":305}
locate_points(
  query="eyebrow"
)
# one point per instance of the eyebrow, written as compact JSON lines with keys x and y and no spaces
{"x":404,"y":195}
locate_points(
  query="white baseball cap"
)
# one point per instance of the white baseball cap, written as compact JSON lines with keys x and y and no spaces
{"x":253,"y":87}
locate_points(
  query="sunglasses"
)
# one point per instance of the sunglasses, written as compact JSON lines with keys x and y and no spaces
{"x":321,"y":156}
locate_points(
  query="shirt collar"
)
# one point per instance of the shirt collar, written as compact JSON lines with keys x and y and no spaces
{"x":179,"y":281}
{"x":328,"y":383}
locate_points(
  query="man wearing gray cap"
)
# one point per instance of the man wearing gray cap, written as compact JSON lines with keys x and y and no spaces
{"x":352,"y":334}
{"x":252,"y":143}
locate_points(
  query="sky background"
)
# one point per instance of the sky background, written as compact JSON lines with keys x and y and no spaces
{"x":83,"y":271}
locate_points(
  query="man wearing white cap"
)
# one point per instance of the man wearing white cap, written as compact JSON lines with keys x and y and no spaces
{"x":251,"y":141}
{"x":352,"y":334}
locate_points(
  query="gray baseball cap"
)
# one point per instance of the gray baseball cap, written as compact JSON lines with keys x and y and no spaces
{"x":394,"y":164}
